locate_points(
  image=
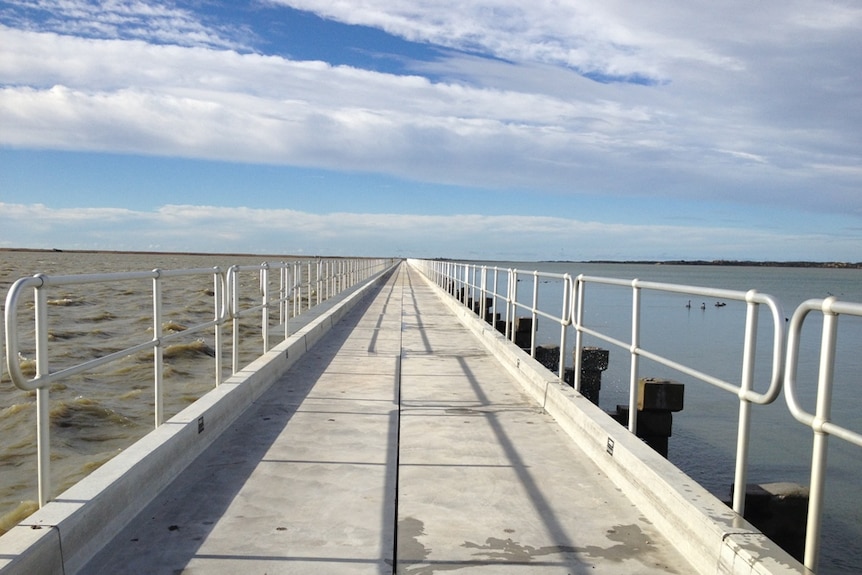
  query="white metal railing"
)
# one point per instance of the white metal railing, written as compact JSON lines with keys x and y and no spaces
{"x":477,"y":284}
{"x":311,"y":281}
{"x":44,"y":377}
{"x":744,"y":390}
{"x":472,"y":280}
{"x":322,"y":279}
{"x":469,"y":282}
{"x":819,"y":422}
{"x":285,"y":293}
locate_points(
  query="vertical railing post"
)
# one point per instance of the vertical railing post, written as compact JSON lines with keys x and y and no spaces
{"x":286,"y":281}
{"x":158,"y":350}
{"x":233,"y":287}
{"x":281,"y":294}
{"x":264,"y":312}
{"x":296,"y":289}
{"x":822,"y":414}
{"x":317,"y":284}
{"x":635,"y":356}
{"x":565,"y":320}
{"x":511,"y":295}
{"x":474,"y":285}
{"x":494,"y":303}
{"x":219,"y":304}
{"x":578,"y":320}
{"x":324,"y":281}
{"x":533,"y":316}
{"x":468,"y":284}
{"x":331,"y":266}
{"x":43,"y":410}
{"x":308,"y":284}
{"x":461,"y":271}
{"x":483,"y":293}
{"x":744,"y":423}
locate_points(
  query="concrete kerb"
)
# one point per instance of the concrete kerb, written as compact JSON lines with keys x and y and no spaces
{"x":66,"y":533}
{"x":705,"y":530}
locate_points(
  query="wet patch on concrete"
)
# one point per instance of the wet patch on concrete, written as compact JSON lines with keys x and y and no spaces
{"x":413,"y":556}
{"x":508,"y":551}
{"x":410,"y":549}
{"x":631,"y":544}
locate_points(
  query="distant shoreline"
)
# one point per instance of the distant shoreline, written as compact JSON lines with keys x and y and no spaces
{"x":156,"y":253}
{"x":738,"y":263}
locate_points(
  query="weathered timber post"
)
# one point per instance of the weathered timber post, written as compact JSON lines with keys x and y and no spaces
{"x":594,"y":360}
{"x":549,"y":356}
{"x":523,"y":332}
{"x":780,"y":511}
{"x":476,"y":306}
{"x":500,"y":324}
{"x":657,"y":400}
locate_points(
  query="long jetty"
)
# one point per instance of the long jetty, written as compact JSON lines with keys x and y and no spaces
{"x":394,"y":432}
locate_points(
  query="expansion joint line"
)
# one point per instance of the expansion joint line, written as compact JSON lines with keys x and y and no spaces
{"x":398,"y":422}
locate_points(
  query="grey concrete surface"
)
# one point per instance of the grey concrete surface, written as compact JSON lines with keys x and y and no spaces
{"x":398,"y":443}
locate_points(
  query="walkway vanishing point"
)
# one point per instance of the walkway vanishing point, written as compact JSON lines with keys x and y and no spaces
{"x":410,"y":438}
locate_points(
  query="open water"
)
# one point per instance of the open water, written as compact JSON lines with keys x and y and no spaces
{"x":96,"y":415}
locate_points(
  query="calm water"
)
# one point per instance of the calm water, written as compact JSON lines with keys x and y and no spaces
{"x":96,"y":415}
{"x":710,"y":340}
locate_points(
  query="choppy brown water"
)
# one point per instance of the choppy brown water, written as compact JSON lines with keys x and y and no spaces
{"x":97,"y":414}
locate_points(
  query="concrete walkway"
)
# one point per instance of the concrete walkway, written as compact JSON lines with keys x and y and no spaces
{"x":397,"y":440}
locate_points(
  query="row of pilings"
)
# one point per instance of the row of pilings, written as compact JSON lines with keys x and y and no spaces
{"x":657,"y":400}
{"x":777,"y":509}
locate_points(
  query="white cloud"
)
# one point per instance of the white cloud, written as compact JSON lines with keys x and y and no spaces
{"x":129,"y":96}
{"x":111,"y":19}
{"x":752,"y":102}
{"x":246,"y":230}
{"x":615,"y":37}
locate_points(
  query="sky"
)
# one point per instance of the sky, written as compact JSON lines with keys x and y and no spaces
{"x":498,"y":130}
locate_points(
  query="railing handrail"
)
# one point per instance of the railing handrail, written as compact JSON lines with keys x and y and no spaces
{"x":464,"y":276}
{"x":39,"y":281}
{"x":43,"y":281}
{"x":783,"y":370}
{"x":820,"y":421}
{"x":225,"y":296}
{"x":744,"y":391}
{"x":749,"y":297}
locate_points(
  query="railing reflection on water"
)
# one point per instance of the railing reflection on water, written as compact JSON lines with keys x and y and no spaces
{"x":320,"y":280}
{"x":471,"y":281}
